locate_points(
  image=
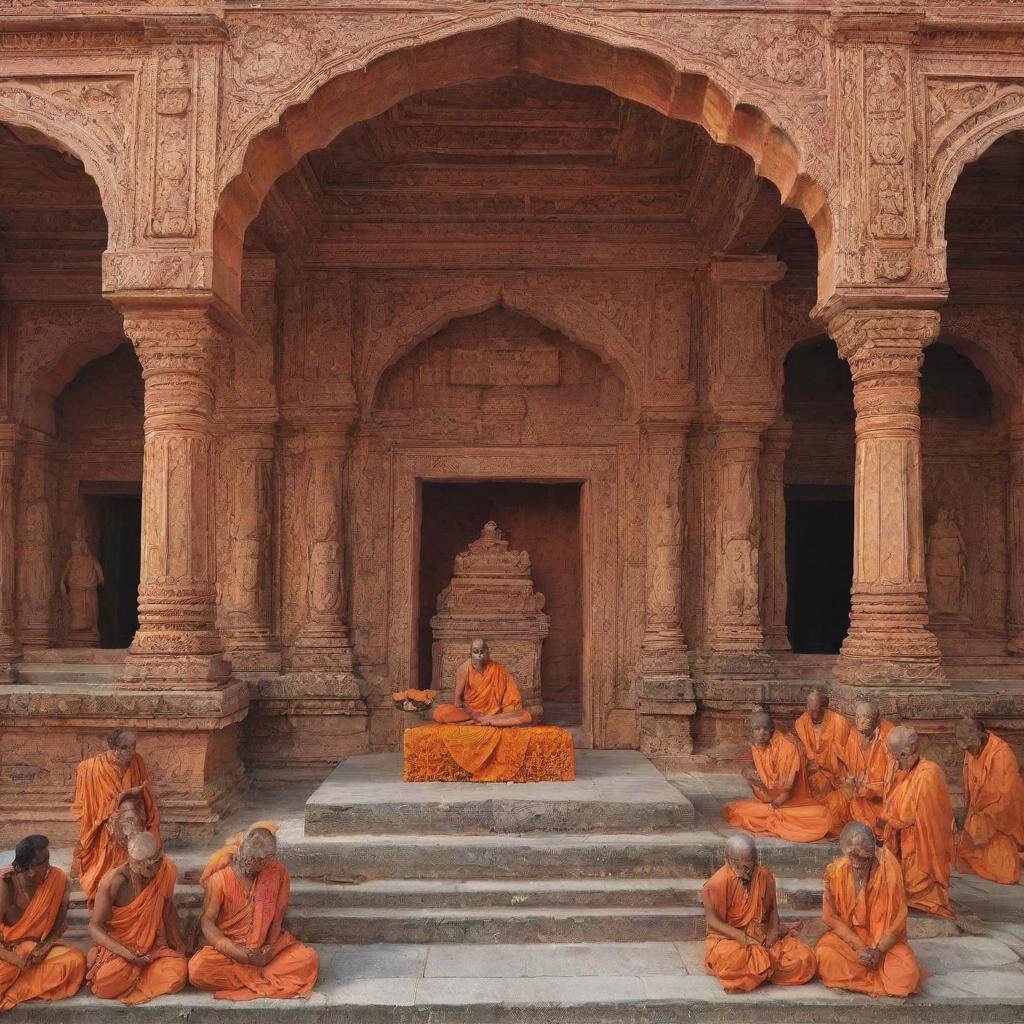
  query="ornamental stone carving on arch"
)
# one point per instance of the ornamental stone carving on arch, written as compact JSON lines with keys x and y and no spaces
{"x":399,"y":312}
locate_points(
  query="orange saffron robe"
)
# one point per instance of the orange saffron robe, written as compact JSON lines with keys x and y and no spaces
{"x":801,"y":819}
{"x":743,"y":968}
{"x":992,"y":840}
{"x":488,"y":693}
{"x":872,"y":765}
{"x":825,"y":747}
{"x":925,"y":849}
{"x":98,"y":783}
{"x":139,"y":926}
{"x":879,"y":909}
{"x":60,"y":975}
{"x":248,"y":920}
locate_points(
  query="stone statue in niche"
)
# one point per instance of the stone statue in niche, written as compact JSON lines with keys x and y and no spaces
{"x":947,"y":566}
{"x":82,"y":575}
{"x":737,"y":599}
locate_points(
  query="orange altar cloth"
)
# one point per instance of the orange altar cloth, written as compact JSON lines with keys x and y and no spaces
{"x":486,"y":753}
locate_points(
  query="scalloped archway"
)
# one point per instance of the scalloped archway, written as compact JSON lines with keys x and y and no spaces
{"x":329,"y":101}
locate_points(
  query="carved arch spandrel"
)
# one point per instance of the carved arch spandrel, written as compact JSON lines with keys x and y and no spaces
{"x":308,"y":93}
{"x":92,"y":119}
{"x":580,"y":322}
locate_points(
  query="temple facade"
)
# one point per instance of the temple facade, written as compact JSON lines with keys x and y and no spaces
{"x":716,"y":308}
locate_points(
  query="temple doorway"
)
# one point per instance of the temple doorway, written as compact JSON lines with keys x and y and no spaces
{"x":540,"y":518}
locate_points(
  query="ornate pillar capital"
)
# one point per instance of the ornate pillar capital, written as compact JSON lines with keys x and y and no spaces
{"x":865,"y":336}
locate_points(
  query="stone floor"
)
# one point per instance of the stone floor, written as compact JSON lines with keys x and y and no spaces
{"x":453,"y":933}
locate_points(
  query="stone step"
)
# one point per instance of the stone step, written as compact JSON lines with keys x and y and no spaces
{"x":65,"y":674}
{"x":673,"y":854}
{"x":614,"y":791}
{"x":652,"y":983}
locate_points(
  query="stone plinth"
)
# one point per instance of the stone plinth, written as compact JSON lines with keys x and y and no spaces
{"x":491,"y":595}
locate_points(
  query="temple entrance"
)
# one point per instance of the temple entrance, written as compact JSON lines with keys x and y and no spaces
{"x":540,"y":518}
{"x":819,"y":567}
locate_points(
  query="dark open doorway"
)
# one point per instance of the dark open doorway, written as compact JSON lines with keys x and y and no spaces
{"x":117,"y":524}
{"x":542,"y":519}
{"x":819,"y":567}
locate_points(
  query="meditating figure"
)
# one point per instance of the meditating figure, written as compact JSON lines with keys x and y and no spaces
{"x":746,"y":944}
{"x":484,"y":693}
{"x":138,"y":953}
{"x":822,"y":735}
{"x":866,"y":763}
{"x":102,"y":785}
{"x":991,"y":840}
{"x":917,"y":824}
{"x":865,"y":908}
{"x":783,"y":806}
{"x":33,"y":908}
{"x":249,"y":955}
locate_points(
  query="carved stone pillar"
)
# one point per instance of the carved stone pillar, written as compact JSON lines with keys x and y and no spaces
{"x":10,"y":648}
{"x":735,"y":638}
{"x":665,"y":688}
{"x":38,"y":573}
{"x":245,"y":579}
{"x":889,"y":642}
{"x":177,"y":645}
{"x":773,"y":536}
{"x":1015,"y":541}
{"x":323,"y":643}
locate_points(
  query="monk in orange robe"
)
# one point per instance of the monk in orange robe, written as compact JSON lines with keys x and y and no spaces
{"x":746,"y":944}
{"x":822,"y":736}
{"x":917,"y":822}
{"x":33,"y":909}
{"x":783,"y":806}
{"x":138,"y":952}
{"x":249,"y":955}
{"x":102,"y":784}
{"x":991,"y":841}
{"x":865,"y":908}
{"x":484,"y":693}
{"x":866,"y":764}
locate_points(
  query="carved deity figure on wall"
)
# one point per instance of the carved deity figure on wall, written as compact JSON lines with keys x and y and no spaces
{"x":323,"y":583}
{"x":37,"y":555}
{"x":737,"y":582}
{"x":664,"y":584}
{"x":82,"y":575}
{"x":947,"y":566}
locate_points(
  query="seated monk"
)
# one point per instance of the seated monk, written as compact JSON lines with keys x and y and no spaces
{"x":484,"y":693}
{"x":866,"y":763}
{"x":33,"y":909}
{"x":991,"y":841}
{"x":746,"y":944}
{"x":865,"y":908}
{"x":783,"y":806}
{"x":917,"y":824}
{"x":102,"y":784}
{"x":822,"y":735}
{"x":138,"y":952}
{"x":249,"y":955}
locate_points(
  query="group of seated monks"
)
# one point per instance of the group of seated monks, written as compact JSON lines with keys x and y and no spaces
{"x":809,"y":786}
{"x":138,"y":952}
{"x":864,"y":908}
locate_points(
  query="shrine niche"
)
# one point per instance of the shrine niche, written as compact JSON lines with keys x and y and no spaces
{"x":491,"y":595}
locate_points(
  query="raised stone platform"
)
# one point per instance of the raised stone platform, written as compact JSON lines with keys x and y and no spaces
{"x":614,"y":791}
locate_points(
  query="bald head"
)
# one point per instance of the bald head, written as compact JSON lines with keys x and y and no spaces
{"x":761,"y":728}
{"x":903,"y":746}
{"x":857,"y":842}
{"x":866,"y":716}
{"x":817,"y":703}
{"x":142,"y":846}
{"x":257,"y":847}
{"x":741,"y":856}
{"x":479,"y":653}
{"x":971,"y":735}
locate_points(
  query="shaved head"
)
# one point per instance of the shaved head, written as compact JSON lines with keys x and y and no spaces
{"x":856,"y":833}
{"x":142,"y":846}
{"x":971,"y":735}
{"x":866,"y":716}
{"x":741,"y":856}
{"x":740,"y":845}
{"x":258,"y":843}
{"x":903,"y":745}
{"x":761,"y":728}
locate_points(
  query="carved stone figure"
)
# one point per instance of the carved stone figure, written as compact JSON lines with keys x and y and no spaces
{"x":947,"y":566}
{"x":82,"y":575}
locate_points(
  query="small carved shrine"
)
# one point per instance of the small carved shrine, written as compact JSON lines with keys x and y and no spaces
{"x":491,"y":595}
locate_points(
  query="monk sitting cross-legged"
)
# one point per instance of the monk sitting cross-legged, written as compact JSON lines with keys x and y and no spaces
{"x":783,"y":806}
{"x":33,"y":909}
{"x":746,"y":944}
{"x":484,"y":693}
{"x":991,"y":842}
{"x":138,"y":952}
{"x":866,"y":762}
{"x":102,"y":784}
{"x":866,"y":909}
{"x":822,"y":735}
{"x":249,"y":956}
{"x":917,"y":820}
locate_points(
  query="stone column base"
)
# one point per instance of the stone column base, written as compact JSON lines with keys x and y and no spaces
{"x":913,"y":658}
{"x":739,"y":665}
{"x":189,"y":742}
{"x":303,"y":723}
{"x":666,"y":706}
{"x":143,"y":672}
